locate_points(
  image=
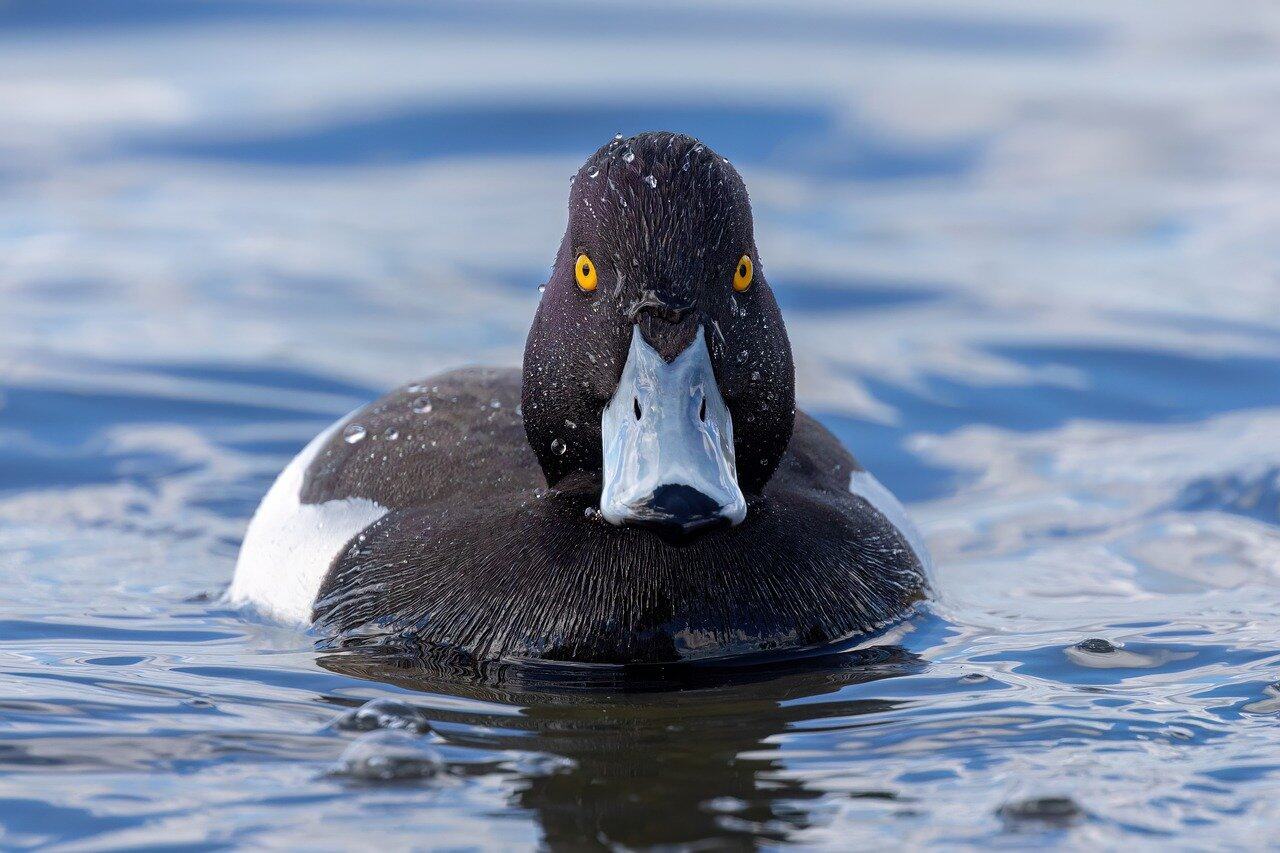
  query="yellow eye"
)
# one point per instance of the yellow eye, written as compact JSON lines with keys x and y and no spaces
{"x":585,"y":272}
{"x":742,"y":275}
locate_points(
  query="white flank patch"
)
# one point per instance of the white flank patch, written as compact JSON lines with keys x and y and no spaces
{"x":867,"y":487}
{"x":289,"y":545}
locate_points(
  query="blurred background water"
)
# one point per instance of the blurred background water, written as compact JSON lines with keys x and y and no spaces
{"x":1028,"y":258}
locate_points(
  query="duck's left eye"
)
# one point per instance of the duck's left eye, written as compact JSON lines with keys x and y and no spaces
{"x":585,"y":272}
{"x":742,"y":275}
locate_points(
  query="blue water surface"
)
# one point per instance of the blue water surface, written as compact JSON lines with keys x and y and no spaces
{"x":1027,"y":259}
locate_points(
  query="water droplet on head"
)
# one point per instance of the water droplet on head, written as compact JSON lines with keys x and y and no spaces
{"x":422,"y":405}
{"x":743,"y":356}
{"x":651,"y":181}
{"x":354,"y":433}
{"x":391,"y":433}
{"x":595,"y":173}
{"x":628,"y":155}
{"x":558,"y":447}
{"x":570,"y":424}
{"x":617,"y":137}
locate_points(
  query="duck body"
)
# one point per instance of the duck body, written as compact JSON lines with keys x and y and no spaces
{"x":642,"y":492}
{"x":456,"y":541}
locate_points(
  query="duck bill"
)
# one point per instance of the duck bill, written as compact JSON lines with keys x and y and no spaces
{"x":668,"y":445}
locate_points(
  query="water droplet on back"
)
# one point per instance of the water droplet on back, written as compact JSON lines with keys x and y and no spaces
{"x":651,"y":181}
{"x":354,"y":433}
{"x":422,"y":405}
{"x":558,"y":447}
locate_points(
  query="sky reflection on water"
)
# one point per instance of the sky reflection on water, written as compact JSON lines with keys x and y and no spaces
{"x":1027,"y":258}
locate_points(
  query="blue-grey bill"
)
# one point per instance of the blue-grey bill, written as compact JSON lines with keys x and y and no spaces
{"x":667,"y":431}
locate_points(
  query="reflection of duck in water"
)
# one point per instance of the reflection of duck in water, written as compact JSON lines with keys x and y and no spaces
{"x":693,"y":512}
{"x":675,"y":766}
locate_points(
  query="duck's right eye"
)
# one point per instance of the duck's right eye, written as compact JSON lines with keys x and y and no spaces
{"x":743,"y":273}
{"x":585,"y":272}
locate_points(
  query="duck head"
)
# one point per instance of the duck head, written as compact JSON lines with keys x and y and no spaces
{"x":658,"y":369}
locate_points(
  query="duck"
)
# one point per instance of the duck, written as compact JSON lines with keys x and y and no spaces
{"x":643,"y":491}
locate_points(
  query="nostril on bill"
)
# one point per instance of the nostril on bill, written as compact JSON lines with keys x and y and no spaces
{"x":702,"y":410}
{"x":635,"y":403}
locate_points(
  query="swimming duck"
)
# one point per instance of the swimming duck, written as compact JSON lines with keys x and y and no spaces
{"x":644,"y":492}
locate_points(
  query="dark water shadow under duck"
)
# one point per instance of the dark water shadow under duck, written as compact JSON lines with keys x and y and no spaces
{"x":727,"y":782}
{"x":644,"y":492}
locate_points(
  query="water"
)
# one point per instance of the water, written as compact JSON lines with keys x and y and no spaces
{"x":1027,"y":259}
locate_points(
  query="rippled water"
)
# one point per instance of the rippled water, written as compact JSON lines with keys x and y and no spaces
{"x":1027,"y":255}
